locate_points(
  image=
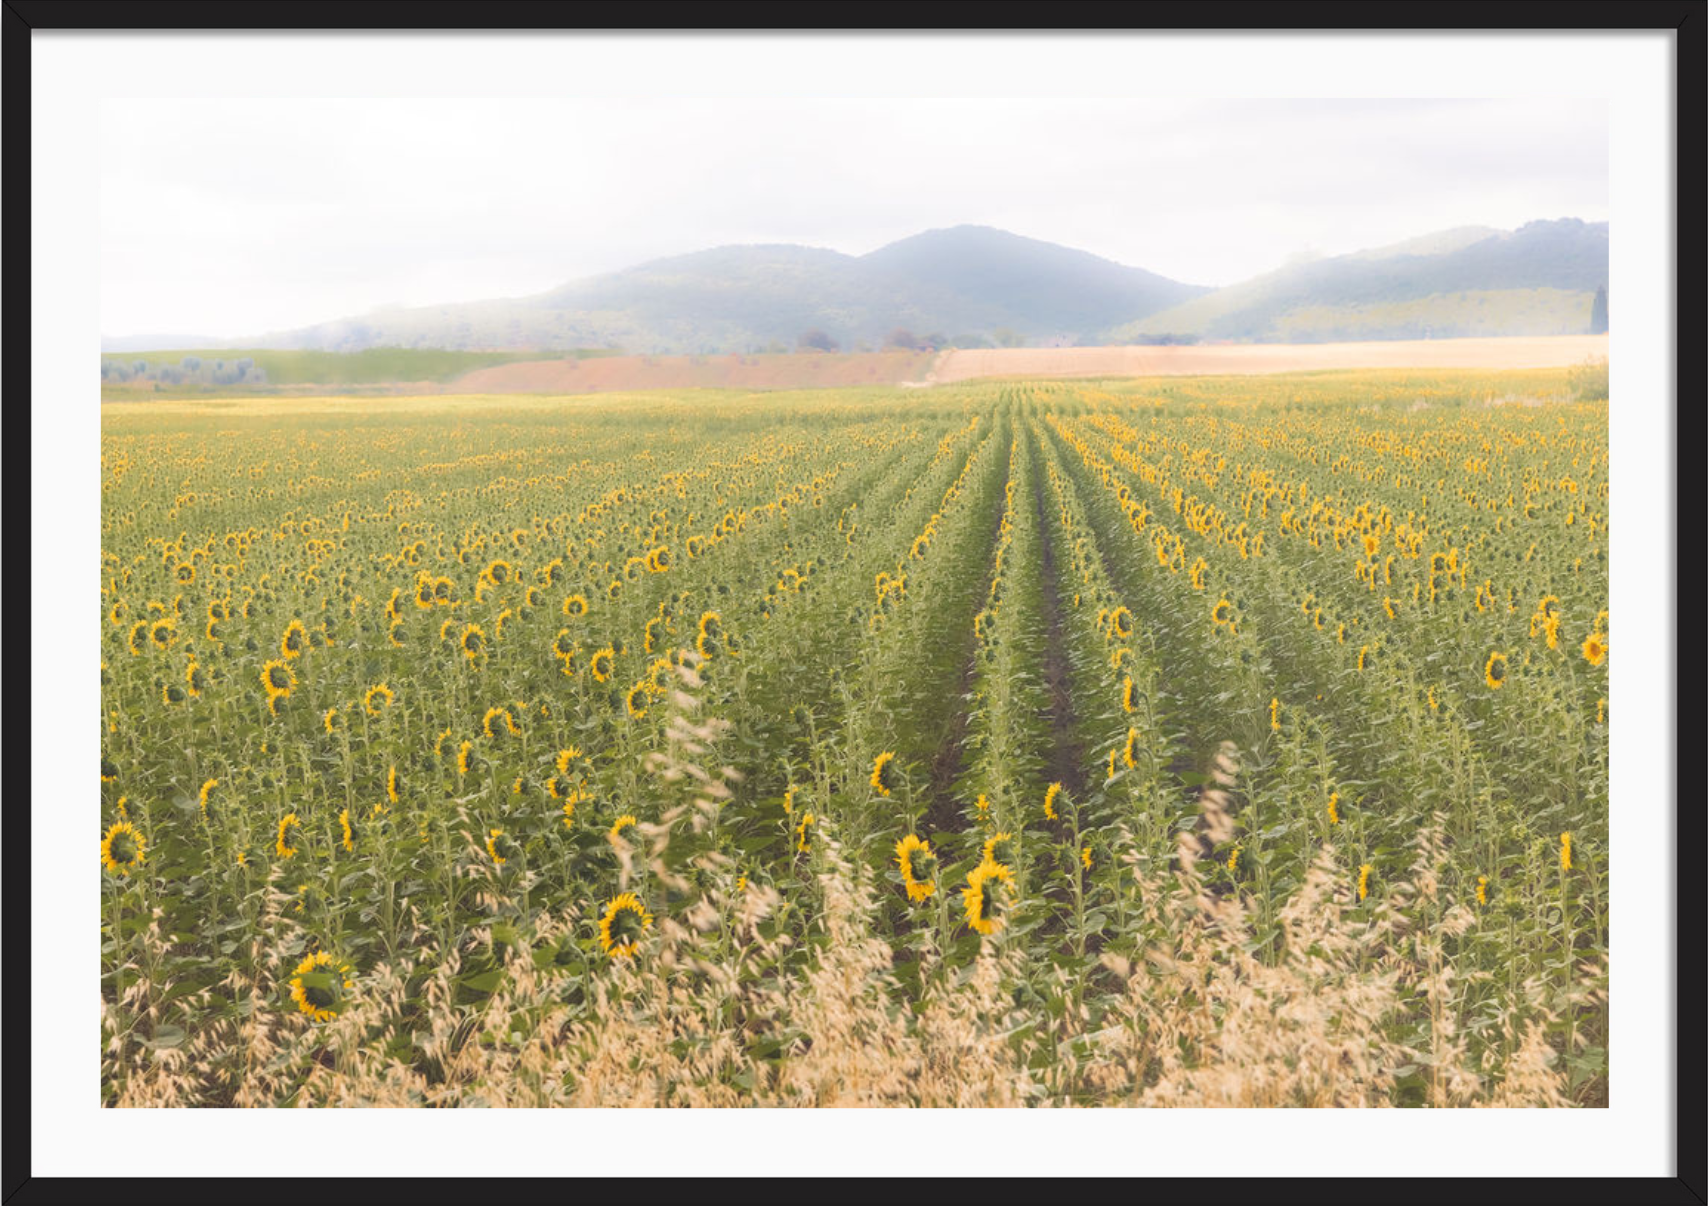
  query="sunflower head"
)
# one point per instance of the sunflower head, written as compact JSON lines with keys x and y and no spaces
{"x":999,"y":848}
{"x":319,"y":986}
{"x":1130,"y":749}
{"x":622,"y":925}
{"x":122,"y":848}
{"x":988,"y":897}
{"x":500,"y":846}
{"x":885,"y":778}
{"x":290,"y":833}
{"x":918,"y":866}
{"x":1051,"y":795}
{"x":499,"y":723}
{"x":1494,"y":671}
{"x":1595,"y":648}
{"x":277,"y":678}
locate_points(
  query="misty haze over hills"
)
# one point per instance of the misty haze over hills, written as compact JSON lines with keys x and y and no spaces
{"x":973,"y":286}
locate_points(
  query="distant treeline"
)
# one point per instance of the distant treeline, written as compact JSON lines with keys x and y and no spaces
{"x":259,"y":367}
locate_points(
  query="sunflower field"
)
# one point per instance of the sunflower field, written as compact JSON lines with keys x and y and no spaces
{"x":1217,"y":741}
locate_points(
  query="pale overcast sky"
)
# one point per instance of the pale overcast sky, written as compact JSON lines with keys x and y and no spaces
{"x":229,"y":217}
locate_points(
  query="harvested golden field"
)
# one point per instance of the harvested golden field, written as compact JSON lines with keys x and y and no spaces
{"x":1540,"y":352}
{"x":607,"y":374}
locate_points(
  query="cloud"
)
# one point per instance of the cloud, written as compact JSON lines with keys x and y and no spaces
{"x":235,"y":217}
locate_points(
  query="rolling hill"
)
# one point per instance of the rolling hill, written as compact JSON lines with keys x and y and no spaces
{"x":964,"y":284}
{"x":1537,"y":280}
{"x":974,"y":286}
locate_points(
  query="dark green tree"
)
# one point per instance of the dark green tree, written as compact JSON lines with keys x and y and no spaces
{"x":1598,"y":312}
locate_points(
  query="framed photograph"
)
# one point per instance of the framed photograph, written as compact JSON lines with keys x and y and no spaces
{"x":1050,"y":580}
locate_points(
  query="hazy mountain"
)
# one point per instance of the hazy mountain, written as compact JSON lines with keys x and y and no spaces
{"x":966,"y":282}
{"x":1536,"y":280}
{"x":1439,"y":242}
{"x":1027,"y":285}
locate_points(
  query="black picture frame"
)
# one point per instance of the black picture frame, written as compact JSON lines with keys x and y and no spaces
{"x":1689,"y":20}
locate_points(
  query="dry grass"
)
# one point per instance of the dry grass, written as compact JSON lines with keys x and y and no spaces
{"x":1196,"y":1021}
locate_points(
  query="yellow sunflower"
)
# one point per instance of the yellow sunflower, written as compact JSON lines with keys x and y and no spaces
{"x":278,"y":679}
{"x":290,"y":829}
{"x":620,"y":928}
{"x":294,"y":641}
{"x":709,"y":634}
{"x":569,"y":802}
{"x":318,"y":985}
{"x":988,"y":897}
{"x":918,"y":867}
{"x":883,"y":773}
{"x":122,"y":848}
{"x":1494,"y":671}
{"x":490,"y":723}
